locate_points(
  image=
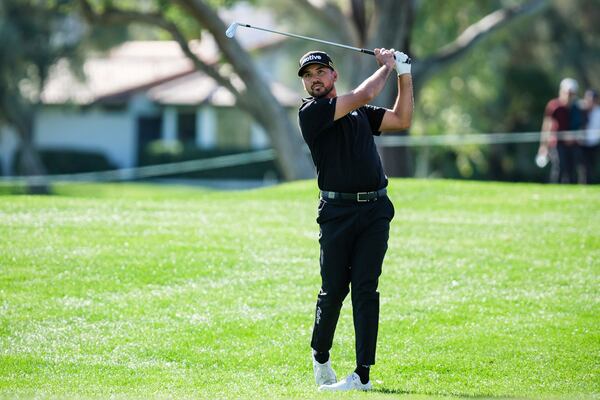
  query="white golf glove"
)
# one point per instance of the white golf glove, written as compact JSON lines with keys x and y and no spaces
{"x":402,"y":63}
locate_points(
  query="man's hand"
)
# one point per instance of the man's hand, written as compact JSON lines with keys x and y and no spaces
{"x":543,"y":156}
{"x":402,"y":63}
{"x":385,"y":57}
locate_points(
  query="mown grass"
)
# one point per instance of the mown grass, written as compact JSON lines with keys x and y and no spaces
{"x":140,"y":291}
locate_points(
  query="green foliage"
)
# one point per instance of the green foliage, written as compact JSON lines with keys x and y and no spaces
{"x":21,"y":56}
{"x":71,"y":161}
{"x":228,"y":3}
{"x":438,"y":22}
{"x":504,"y":83}
{"x":34,"y":35}
{"x":524,"y":95}
{"x":140,"y":291}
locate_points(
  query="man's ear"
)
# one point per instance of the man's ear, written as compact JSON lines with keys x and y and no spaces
{"x":335,"y":76}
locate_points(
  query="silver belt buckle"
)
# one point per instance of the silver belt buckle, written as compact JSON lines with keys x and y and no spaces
{"x":358,"y":199}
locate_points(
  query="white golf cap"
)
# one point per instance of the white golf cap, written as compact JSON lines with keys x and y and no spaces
{"x":569,"y":85}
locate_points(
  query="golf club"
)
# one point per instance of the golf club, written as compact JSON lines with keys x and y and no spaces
{"x":230,"y":33}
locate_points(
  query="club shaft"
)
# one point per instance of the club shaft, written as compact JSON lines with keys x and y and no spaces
{"x":366,"y":51}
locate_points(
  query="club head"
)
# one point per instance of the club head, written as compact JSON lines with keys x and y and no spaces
{"x":230,"y":32}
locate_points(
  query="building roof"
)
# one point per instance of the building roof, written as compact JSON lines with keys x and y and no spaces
{"x":130,"y":65}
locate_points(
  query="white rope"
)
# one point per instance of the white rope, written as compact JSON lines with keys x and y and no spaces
{"x":475,"y":138}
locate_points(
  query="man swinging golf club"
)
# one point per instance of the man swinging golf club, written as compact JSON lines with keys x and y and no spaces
{"x":354,"y":212}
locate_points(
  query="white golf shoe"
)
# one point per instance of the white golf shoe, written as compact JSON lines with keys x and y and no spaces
{"x":351,"y":382}
{"x":324,"y":374}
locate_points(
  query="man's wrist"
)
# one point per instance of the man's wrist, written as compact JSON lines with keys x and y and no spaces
{"x":403,"y":69}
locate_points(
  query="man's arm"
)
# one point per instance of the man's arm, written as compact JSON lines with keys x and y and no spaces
{"x":547,"y":136}
{"x":369,"y":89}
{"x":400,"y":117}
{"x":547,"y":132}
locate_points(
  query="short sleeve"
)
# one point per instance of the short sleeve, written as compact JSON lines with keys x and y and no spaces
{"x":551,"y":109}
{"x":315,"y":116}
{"x":375,"y":116}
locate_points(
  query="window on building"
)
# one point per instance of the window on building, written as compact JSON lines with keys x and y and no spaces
{"x":148,"y":130}
{"x":186,"y":127}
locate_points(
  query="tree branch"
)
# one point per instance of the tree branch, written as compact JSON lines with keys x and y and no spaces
{"x":260,"y":101}
{"x":359,"y":17}
{"x":114,"y":16}
{"x":473,"y":34}
{"x":232,"y":52}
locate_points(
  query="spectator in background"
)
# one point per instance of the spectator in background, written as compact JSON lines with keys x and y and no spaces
{"x":557,"y":145}
{"x":590,"y":145}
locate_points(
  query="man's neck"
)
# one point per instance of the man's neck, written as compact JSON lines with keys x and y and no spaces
{"x":331,"y":94}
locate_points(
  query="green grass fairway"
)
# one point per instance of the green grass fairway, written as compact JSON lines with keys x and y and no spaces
{"x":140,"y":291}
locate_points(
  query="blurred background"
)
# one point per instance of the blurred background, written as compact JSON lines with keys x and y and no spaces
{"x":89,"y":86}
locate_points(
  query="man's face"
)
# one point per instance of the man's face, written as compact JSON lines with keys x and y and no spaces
{"x":318,"y":80}
{"x":567,"y":96}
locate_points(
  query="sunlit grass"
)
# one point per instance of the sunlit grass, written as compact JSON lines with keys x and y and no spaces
{"x":138,"y":291}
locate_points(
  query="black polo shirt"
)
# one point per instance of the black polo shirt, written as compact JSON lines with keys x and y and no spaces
{"x":343,"y":151}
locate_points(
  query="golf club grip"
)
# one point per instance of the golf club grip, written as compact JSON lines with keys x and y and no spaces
{"x":371,"y":52}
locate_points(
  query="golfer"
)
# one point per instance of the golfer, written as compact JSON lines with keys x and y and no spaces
{"x":354,"y":212}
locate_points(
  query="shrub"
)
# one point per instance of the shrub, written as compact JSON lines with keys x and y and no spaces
{"x":70,"y":161}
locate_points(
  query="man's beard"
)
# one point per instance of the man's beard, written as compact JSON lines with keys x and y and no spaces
{"x":325,"y":92}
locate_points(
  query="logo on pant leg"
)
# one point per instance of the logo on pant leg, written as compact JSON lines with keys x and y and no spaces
{"x":318,"y":318}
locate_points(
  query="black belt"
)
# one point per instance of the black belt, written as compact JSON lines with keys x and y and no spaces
{"x":358,"y":197}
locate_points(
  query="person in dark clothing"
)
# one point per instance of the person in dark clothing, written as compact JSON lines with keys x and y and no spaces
{"x":354,"y":212}
{"x":590,"y":145}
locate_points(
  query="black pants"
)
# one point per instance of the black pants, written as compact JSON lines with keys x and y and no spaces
{"x":353,"y":239}
{"x":589,"y":155}
{"x":564,"y":163}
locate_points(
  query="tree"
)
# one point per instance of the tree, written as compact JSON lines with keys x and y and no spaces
{"x":34,"y":35}
{"x":255,"y":97}
{"x":28,"y":47}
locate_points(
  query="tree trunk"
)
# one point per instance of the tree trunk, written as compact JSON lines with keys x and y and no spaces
{"x":292,"y":159}
{"x":21,"y":117}
{"x":253,"y":96}
{"x":393,"y":21}
{"x":257,"y":97}
{"x":30,"y":162}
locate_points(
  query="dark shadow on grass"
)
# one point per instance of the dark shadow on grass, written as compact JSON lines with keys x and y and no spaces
{"x":440,"y":395}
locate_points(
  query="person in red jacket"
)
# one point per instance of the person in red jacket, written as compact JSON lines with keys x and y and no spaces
{"x":557,"y":144}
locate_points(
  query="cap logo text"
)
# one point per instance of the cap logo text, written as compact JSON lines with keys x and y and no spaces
{"x":312,"y":57}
